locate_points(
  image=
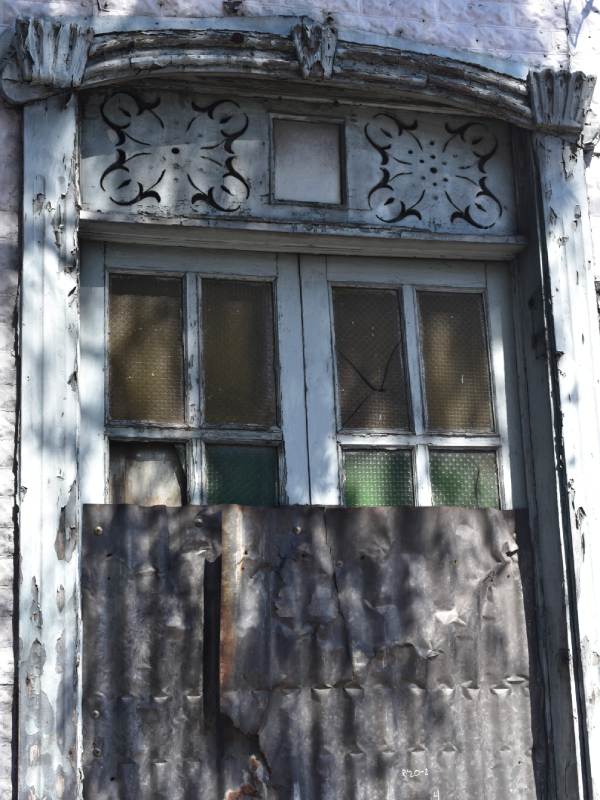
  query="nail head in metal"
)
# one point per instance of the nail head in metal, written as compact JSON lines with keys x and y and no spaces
{"x":96,"y":752}
{"x":297,"y":529}
{"x":98,"y":530}
{"x":95,"y":714}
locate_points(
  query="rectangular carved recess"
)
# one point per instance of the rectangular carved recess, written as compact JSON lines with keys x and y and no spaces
{"x":163,"y":153}
{"x":351,"y":652}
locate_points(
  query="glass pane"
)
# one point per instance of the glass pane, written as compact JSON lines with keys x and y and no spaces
{"x":239,"y":353}
{"x":146,"y":348}
{"x":455,"y":356}
{"x":464,"y":478}
{"x":370,"y":372}
{"x":378,"y":478}
{"x":241,"y":474}
{"x":147,"y":474}
{"x":307,"y":161}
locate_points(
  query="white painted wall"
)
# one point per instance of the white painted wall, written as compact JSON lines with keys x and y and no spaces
{"x":557,"y":33}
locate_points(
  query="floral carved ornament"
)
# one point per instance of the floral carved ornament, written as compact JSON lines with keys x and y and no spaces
{"x":173,"y":157}
{"x":446,"y":171}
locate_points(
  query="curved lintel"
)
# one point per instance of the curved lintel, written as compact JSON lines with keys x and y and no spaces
{"x":298,"y":51}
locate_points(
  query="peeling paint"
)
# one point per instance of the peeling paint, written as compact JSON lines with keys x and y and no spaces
{"x":36,"y":610}
{"x":60,"y":598}
{"x":66,"y":535}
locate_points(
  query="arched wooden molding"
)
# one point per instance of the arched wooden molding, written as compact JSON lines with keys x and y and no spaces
{"x":303,"y":56}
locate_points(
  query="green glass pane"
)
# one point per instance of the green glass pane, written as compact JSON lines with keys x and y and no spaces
{"x":464,"y":478}
{"x":241,"y":474}
{"x":378,"y":478}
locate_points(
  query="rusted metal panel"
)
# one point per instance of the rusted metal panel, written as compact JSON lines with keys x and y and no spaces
{"x":368,"y":653}
{"x":144,"y":731}
{"x":382,"y":653}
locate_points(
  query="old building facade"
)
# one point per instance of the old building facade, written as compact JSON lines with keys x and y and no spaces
{"x":445,"y":152}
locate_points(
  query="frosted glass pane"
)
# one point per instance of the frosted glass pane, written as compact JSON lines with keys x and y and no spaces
{"x":307,"y":161}
{"x":368,"y":347}
{"x":239,"y":353}
{"x":147,"y":474}
{"x":457,"y":374}
{"x":464,"y":478}
{"x":145,"y":348}
{"x":241,"y":474}
{"x":378,"y":478}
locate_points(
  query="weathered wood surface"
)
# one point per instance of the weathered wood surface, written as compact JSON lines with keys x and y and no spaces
{"x":189,"y":155}
{"x":573,"y":344}
{"x":49,"y":488}
{"x":364,"y":652}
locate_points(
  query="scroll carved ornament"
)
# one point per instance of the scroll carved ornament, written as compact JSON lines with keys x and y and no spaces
{"x":315,"y":47}
{"x":163,"y":157}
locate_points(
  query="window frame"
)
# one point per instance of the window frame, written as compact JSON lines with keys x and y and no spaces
{"x":492,"y":280}
{"x":98,"y":430}
{"x":309,"y":443}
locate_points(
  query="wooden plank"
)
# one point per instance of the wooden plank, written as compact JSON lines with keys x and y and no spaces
{"x":49,"y":488}
{"x":574,"y":367}
{"x":320,"y":398}
{"x":215,"y":263}
{"x":291,"y":380}
{"x":505,"y":382}
{"x":282,"y":237}
{"x":93,"y":444}
{"x":391,"y":272}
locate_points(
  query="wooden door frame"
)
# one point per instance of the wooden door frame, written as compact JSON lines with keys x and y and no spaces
{"x":554,"y":307}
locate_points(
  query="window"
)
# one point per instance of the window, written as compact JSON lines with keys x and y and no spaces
{"x":260,"y":378}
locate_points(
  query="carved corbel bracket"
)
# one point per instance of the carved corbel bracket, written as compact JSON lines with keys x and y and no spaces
{"x":315,"y":47}
{"x":50,"y":56}
{"x":50,"y":53}
{"x":560,"y":100}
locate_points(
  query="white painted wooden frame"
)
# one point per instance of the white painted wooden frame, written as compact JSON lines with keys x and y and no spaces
{"x":325,"y":440}
{"x":560,"y":381}
{"x":98,"y":261}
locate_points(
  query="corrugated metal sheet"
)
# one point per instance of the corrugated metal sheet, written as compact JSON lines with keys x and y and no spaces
{"x":145,"y":732}
{"x":365,"y":653}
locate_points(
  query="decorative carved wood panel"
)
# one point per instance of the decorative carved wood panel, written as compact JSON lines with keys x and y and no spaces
{"x":163,"y":153}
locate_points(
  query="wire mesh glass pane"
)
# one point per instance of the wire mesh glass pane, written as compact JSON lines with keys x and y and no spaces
{"x":147,"y":473}
{"x":239,"y":353}
{"x":370,"y":371}
{"x":455,"y":355}
{"x":146,"y":348}
{"x":378,"y":478}
{"x":464,"y":478}
{"x":241,"y":474}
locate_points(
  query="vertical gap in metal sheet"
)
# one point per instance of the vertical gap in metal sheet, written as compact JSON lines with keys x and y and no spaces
{"x":211,"y":652}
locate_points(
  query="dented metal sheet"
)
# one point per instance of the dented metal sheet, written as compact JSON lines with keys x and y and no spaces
{"x":144,"y":729}
{"x":364,"y":653}
{"x":381,"y":653}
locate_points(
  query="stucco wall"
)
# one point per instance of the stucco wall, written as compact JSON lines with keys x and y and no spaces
{"x":537,"y":32}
